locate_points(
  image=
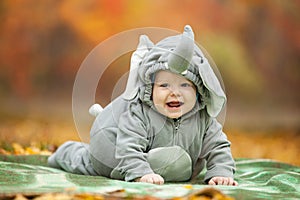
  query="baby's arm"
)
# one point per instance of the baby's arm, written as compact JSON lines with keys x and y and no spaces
{"x":151,"y":178}
{"x":222,"y":181}
{"x":216,"y":151}
{"x":131,"y":144}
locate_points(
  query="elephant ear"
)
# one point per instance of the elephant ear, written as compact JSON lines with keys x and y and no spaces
{"x":133,"y":83}
{"x":217,"y":98}
{"x":179,"y":60}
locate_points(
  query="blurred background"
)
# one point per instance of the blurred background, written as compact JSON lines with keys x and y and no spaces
{"x":255,"y":45}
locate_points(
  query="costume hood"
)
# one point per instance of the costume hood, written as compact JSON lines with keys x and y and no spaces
{"x":178,"y":54}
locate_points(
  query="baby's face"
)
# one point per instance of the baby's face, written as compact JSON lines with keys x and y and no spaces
{"x":173,"y":95}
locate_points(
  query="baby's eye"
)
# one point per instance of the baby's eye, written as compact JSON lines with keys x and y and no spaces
{"x":186,"y":85}
{"x":164,"y":85}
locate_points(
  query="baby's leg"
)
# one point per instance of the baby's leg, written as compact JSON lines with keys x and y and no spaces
{"x":102,"y":152}
{"x":72,"y":157}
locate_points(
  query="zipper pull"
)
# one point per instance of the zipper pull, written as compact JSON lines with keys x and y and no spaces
{"x":176,"y":123}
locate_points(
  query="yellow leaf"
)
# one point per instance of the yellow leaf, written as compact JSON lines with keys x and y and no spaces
{"x":4,"y":152}
{"x":18,"y":149}
{"x":32,"y":150}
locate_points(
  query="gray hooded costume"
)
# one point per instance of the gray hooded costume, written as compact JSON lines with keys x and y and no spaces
{"x":130,"y":138}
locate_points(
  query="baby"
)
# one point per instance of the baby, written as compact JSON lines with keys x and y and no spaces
{"x":163,"y":127}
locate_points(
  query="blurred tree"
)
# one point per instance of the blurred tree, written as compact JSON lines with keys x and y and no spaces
{"x":37,"y":48}
{"x":255,"y":43}
{"x":271,"y":35}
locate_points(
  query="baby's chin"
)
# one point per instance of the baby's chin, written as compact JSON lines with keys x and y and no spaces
{"x":173,"y":114}
{"x":173,"y":117}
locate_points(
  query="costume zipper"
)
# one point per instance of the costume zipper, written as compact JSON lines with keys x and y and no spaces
{"x":176,"y":127}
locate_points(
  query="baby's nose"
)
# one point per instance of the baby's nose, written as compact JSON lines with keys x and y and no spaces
{"x":175,"y":91}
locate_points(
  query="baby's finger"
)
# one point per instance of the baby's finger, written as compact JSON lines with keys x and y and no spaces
{"x":230,"y":181}
{"x":146,"y":179}
{"x":235,"y":183}
{"x":211,"y":182}
{"x":150,"y":180}
{"x":226,"y":181}
{"x":157,"y":179}
{"x":220,"y":181}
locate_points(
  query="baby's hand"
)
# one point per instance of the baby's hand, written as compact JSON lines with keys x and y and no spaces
{"x":151,"y":178}
{"x":222,"y":181}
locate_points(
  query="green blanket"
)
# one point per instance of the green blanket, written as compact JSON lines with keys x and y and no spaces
{"x":258,"y":179}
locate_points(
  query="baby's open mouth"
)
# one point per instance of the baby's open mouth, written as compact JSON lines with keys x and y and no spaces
{"x":174,"y":104}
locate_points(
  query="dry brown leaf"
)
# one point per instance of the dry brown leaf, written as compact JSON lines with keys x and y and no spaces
{"x":209,"y":194}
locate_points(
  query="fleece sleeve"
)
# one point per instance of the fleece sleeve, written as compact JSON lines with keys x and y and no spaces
{"x":131,"y":146}
{"x":216,"y":151}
